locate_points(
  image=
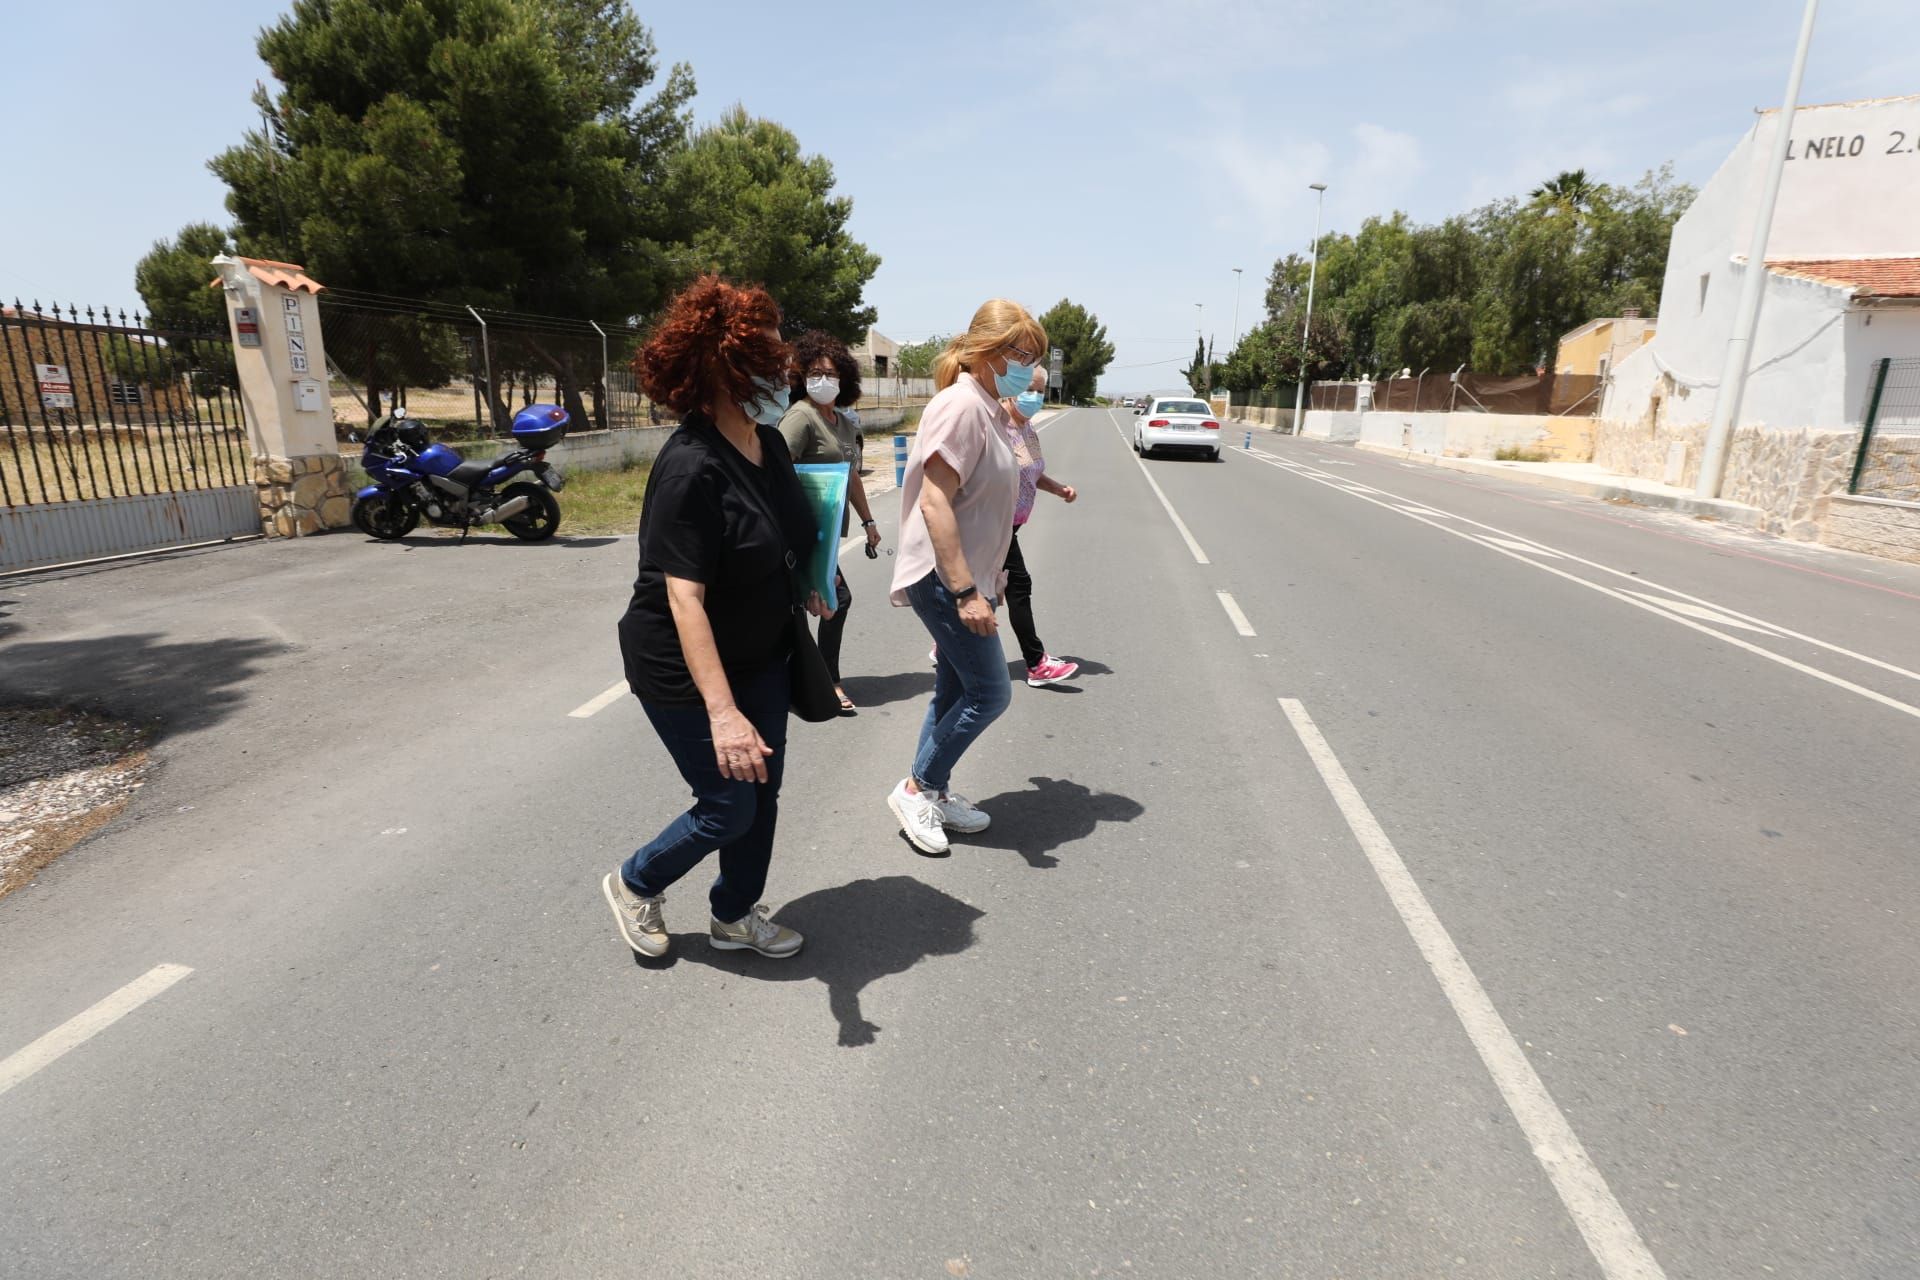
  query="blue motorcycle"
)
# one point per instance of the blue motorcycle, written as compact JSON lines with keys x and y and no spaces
{"x":413,"y":478}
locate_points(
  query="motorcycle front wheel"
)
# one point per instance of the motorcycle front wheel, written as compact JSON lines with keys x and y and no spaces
{"x":541,"y":519}
{"x":383,"y":517}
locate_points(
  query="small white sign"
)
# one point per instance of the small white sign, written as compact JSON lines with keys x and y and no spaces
{"x":246,"y":323}
{"x":56,"y":388}
{"x":297,"y":363}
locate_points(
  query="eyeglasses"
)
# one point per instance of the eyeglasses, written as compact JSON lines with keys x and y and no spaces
{"x":1023,"y":356}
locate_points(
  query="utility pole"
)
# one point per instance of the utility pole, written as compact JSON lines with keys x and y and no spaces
{"x":1733,"y":373}
{"x":1306,"y":329}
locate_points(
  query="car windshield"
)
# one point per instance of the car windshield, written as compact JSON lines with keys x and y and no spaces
{"x":1181,"y":406}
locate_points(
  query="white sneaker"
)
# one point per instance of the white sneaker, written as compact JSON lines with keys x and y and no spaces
{"x":957,"y":813}
{"x":933,"y":655}
{"x":919,"y":819}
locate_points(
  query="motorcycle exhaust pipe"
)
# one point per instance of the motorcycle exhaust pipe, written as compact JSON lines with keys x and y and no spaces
{"x":504,"y":512}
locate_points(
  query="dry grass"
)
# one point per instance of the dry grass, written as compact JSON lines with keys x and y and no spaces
{"x":602,"y":502}
{"x":95,"y":464}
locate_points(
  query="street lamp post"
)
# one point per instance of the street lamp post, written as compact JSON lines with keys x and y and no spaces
{"x":1236,"y":306}
{"x":1306,"y":328}
{"x":1733,"y":373}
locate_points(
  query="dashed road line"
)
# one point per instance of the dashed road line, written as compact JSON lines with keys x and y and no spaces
{"x":82,"y":1027}
{"x":599,"y":702}
{"x":1235,"y":614}
{"x":1610,"y":1235}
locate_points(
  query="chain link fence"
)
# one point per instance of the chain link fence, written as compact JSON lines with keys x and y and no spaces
{"x":1888,"y":463}
{"x":1560,"y":395}
{"x":464,"y":372}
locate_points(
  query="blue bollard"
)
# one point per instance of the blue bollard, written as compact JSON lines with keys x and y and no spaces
{"x":1249,"y":445}
{"x":899,"y":462}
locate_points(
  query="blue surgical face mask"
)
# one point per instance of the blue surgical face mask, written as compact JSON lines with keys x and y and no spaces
{"x":1029,"y":402}
{"x":1016,"y":379}
{"x":767,"y":407}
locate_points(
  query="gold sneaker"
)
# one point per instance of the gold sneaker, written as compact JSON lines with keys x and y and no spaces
{"x":643,"y":921}
{"x":754,"y":932}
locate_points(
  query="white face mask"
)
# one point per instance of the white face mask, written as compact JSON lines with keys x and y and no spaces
{"x":822,"y":389}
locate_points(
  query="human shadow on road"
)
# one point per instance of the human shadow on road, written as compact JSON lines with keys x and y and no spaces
{"x":856,"y":934}
{"x":415,"y":542}
{"x":878,"y":691}
{"x":8,"y":627}
{"x":1054,"y":813}
{"x":185,"y":686}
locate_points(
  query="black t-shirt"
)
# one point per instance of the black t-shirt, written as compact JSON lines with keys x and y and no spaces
{"x":697,"y":524}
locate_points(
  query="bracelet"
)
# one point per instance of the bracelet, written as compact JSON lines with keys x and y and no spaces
{"x":867,"y":524}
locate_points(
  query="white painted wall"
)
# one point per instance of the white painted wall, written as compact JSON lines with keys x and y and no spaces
{"x":1812,"y":355}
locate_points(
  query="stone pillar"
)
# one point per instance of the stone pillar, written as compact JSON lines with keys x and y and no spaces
{"x":273,"y":311}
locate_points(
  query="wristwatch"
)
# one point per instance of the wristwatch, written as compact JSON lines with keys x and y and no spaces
{"x":866,"y":524}
{"x":960,"y":597}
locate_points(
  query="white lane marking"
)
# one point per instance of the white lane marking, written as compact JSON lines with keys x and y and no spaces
{"x":82,"y":1027}
{"x":1705,"y":614}
{"x":1234,"y":613}
{"x":1199,"y":556}
{"x":1637,"y":580}
{"x":1610,"y":1235}
{"x":1666,"y":611}
{"x":599,"y":702}
{"x":1511,"y":544}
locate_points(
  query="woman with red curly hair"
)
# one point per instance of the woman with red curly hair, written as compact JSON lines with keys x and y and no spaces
{"x":708,"y":632}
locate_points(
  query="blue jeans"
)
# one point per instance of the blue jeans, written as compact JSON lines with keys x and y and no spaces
{"x":737,"y":818}
{"x":970,"y":685}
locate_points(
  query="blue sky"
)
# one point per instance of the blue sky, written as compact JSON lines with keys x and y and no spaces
{"x":1124,"y":153}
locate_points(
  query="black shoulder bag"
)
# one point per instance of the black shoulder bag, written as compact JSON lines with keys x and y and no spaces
{"x":812,"y":695}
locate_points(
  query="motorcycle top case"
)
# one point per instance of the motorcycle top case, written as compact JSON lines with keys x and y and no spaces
{"x":540,"y":426}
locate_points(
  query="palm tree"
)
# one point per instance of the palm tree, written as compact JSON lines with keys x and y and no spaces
{"x":1570,"y":192}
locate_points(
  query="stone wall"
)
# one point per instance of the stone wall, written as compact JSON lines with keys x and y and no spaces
{"x":1872,"y":525}
{"x":301,"y":496}
{"x":1784,"y":472}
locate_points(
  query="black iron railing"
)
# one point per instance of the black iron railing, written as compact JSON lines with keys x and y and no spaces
{"x":100,"y":404}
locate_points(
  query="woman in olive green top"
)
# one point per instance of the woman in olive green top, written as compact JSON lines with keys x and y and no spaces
{"x":820,"y":428}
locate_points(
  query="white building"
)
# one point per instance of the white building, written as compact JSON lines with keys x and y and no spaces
{"x":1842,"y":292}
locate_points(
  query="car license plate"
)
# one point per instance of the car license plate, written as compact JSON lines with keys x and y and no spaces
{"x":555,"y":481}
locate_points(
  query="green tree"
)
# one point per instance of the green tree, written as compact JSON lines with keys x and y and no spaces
{"x":1494,"y":289}
{"x":173,"y":278}
{"x":746,"y":202}
{"x":489,"y":151}
{"x":915,"y":359}
{"x":1085,"y":352}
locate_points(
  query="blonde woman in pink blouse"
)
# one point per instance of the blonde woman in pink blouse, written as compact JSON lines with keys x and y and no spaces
{"x":956,"y":524}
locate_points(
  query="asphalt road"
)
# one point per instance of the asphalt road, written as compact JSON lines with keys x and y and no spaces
{"x":1530,"y":894}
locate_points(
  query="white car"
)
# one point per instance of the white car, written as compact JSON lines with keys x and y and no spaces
{"x":1176,"y":422}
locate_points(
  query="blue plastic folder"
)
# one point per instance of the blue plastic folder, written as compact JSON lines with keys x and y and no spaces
{"x":825,"y":484}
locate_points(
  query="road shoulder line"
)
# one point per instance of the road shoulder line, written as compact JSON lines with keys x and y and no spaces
{"x":1610,"y":1235}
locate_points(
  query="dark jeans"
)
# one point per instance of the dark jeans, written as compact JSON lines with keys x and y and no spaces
{"x":970,"y":685}
{"x":832,"y":629}
{"x":737,"y":818}
{"x":1020,"y":603}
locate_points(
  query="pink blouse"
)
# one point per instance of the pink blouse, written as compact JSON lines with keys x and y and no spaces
{"x":967,"y":427}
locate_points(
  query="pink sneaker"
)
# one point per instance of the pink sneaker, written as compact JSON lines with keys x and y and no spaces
{"x":1050,"y":670}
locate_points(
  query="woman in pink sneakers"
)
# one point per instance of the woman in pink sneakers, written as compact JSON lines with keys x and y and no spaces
{"x":1042,"y":668}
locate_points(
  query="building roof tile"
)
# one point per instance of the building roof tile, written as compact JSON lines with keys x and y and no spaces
{"x":1867,"y":277}
{"x":288,"y":275}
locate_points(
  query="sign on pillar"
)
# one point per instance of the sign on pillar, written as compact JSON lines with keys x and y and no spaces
{"x":273,"y":309}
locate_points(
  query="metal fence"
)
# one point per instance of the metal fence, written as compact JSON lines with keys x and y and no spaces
{"x":1888,"y":462}
{"x":1555,"y":394}
{"x":99,"y":404}
{"x":466,"y":371}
